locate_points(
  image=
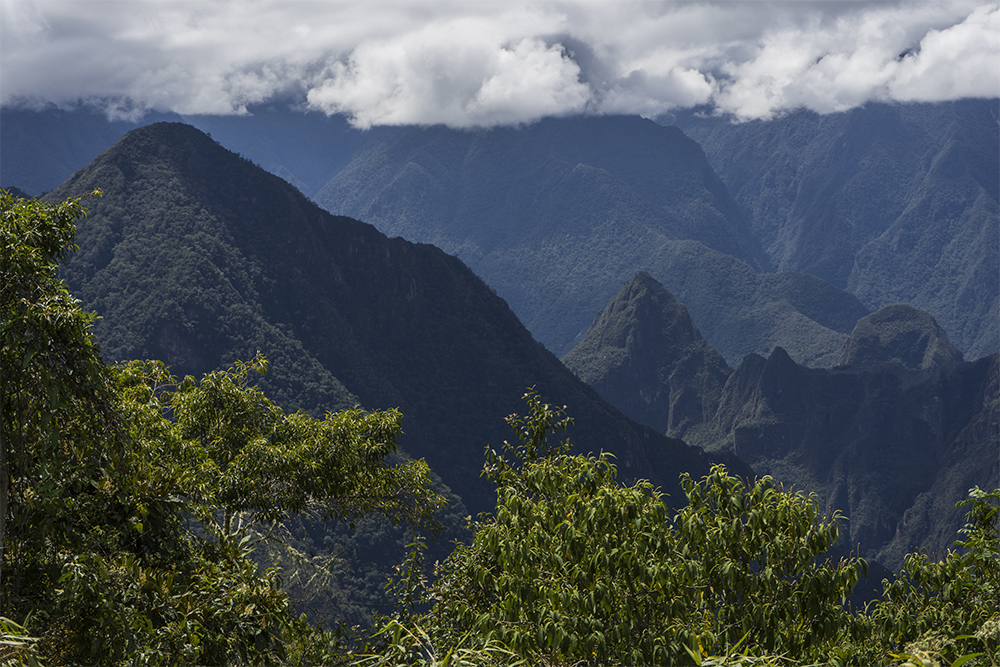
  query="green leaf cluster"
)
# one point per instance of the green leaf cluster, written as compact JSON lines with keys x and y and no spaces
{"x":949,"y":608}
{"x":575,"y":568}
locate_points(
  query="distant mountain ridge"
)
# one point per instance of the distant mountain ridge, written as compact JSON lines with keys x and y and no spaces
{"x":893,"y":202}
{"x":41,"y":148}
{"x":199,"y":257}
{"x":487,"y":186}
{"x":557,"y":215}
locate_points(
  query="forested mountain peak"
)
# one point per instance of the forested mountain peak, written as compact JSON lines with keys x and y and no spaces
{"x":892,"y":202}
{"x":645,"y":355}
{"x":199,"y":257}
{"x":899,"y":334}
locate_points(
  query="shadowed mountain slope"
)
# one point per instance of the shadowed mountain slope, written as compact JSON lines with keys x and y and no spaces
{"x":893,"y":449}
{"x":645,"y":356}
{"x":902,"y":335}
{"x":896,"y":203}
{"x":558,"y":215}
{"x":492,"y":188}
{"x":199,"y":257}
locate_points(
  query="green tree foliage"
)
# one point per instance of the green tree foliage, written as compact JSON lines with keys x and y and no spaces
{"x":133,"y":502}
{"x":945,"y":608}
{"x":263,"y":464}
{"x":52,"y":380}
{"x":760,"y":574}
{"x":136,"y":500}
{"x":574,"y":567}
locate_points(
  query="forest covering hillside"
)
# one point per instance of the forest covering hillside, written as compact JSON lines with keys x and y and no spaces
{"x":198,"y":257}
{"x":556,"y":216}
{"x":651,"y":203}
{"x":895,"y":203}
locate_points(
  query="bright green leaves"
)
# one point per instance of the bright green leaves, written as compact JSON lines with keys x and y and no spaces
{"x":137,"y":499}
{"x":52,"y":390}
{"x":534,"y":433}
{"x":758,"y":551}
{"x":951,"y":606}
{"x":576,"y":568}
{"x":573,"y":568}
{"x":572,"y":562}
{"x":268,"y":465}
{"x":159,"y":565}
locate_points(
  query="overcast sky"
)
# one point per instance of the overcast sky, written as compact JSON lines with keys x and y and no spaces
{"x":484,"y":62}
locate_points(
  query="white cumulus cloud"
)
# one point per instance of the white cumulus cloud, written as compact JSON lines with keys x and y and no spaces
{"x":490,"y":62}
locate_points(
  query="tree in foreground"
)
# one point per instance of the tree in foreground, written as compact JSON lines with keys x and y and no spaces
{"x":132,"y":501}
{"x":943,"y":611}
{"x":574,"y":568}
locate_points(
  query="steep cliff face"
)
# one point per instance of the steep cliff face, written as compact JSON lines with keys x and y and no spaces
{"x":891,"y":448}
{"x":644,"y":355}
{"x":902,"y":335}
{"x":966,"y":453}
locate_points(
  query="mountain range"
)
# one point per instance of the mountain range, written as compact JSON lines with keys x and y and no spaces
{"x":198,"y":257}
{"x":732,"y":257}
{"x":893,"y":437}
{"x":558,"y":215}
{"x":892,"y":202}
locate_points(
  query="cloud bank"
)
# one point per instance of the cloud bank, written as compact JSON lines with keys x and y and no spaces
{"x":486,"y":62}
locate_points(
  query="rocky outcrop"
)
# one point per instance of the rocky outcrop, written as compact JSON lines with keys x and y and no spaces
{"x":893,"y":449}
{"x":902,"y":335}
{"x":644,"y":355}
